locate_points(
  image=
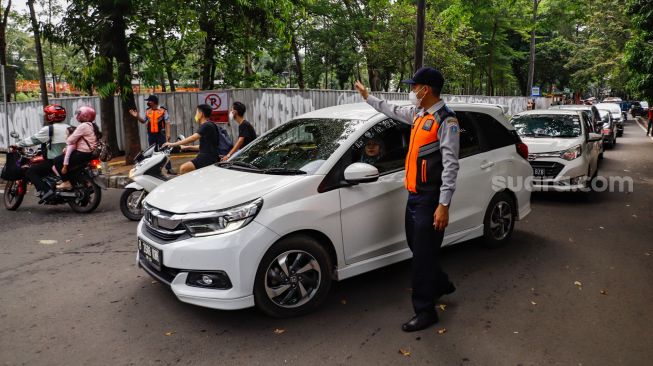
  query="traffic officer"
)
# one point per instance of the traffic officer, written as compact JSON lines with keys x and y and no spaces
{"x":158,"y":124}
{"x":431,"y":170}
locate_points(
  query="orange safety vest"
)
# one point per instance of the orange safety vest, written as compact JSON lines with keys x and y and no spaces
{"x":424,"y":160}
{"x":156,"y":119}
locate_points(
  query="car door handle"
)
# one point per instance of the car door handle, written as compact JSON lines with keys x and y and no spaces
{"x":487,"y":164}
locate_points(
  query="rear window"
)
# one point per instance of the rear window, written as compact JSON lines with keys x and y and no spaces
{"x":494,"y":134}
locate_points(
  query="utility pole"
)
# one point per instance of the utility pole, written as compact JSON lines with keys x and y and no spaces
{"x":419,"y":36}
{"x":531,"y":61}
{"x":39,"y":53}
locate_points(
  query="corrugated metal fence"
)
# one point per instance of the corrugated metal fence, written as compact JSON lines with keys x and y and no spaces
{"x":266,"y":108}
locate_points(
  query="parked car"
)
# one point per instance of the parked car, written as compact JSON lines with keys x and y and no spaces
{"x":590,"y":113}
{"x":563,"y":148}
{"x":609,"y":128}
{"x":305,"y":203}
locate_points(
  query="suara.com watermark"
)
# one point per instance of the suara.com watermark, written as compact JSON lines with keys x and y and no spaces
{"x":599,"y":183}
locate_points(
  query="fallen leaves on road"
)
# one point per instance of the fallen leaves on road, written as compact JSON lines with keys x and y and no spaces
{"x":47,"y":242}
{"x":442,"y":330}
{"x":571,"y":240}
{"x":68,"y":240}
{"x":601,"y":227}
{"x":604,"y":292}
{"x":579,"y":284}
{"x":516,"y":332}
{"x":343,"y":301}
{"x":279,"y":331}
{"x":533,"y":303}
{"x":443,"y":307}
{"x":647,"y":254}
{"x":634,"y":216}
{"x":168,"y":334}
{"x":404,"y":352}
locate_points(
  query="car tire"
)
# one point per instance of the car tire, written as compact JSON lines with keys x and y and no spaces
{"x":301,"y":286}
{"x":499,"y":220}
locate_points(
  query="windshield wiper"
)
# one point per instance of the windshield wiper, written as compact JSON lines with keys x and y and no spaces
{"x":240,"y":164}
{"x":283,"y":171}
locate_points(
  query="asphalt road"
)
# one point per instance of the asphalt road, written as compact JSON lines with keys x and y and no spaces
{"x":82,"y":301}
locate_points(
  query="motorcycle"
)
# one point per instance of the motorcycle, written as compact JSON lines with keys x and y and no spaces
{"x":146,"y":175}
{"x":87,"y":184}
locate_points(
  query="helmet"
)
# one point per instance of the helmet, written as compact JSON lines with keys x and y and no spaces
{"x":54,"y":113}
{"x":85,"y":114}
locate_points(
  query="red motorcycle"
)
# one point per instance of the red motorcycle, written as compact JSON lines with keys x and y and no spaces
{"x":83,"y":198}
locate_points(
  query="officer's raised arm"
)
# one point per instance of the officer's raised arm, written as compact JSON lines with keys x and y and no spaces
{"x":403,"y":114}
{"x":449,"y":136}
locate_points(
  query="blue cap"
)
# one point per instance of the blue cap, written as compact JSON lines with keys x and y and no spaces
{"x":427,"y":76}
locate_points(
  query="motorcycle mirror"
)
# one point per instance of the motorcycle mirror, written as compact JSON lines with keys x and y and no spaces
{"x":14,"y":134}
{"x":180,"y":137}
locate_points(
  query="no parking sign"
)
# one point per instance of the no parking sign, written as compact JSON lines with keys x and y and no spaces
{"x":219,"y":103}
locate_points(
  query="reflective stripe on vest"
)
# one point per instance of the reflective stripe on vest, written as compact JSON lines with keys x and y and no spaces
{"x":423,"y":133}
{"x":155,"y":117}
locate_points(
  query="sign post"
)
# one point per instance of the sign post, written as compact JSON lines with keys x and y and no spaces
{"x":219,"y":103}
{"x":535,"y":91}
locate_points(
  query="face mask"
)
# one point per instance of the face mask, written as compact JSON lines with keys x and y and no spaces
{"x":413,"y":97}
{"x":231,"y":116}
{"x":197,"y":117}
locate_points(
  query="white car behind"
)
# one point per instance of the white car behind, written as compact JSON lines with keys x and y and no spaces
{"x":563,"y":149}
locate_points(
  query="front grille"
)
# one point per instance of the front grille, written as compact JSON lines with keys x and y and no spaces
{"x":161,"y":235}
{"x":551,"y":169}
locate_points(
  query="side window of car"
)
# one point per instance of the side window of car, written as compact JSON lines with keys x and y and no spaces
{"x":469,"y":140}
{"x":385,"y":146}
{"x":493,"y":135}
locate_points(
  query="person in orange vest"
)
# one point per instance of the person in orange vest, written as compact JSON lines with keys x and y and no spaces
{"x":650,"y":121}
{"x":158,"y":125}
{"x":431,"y":172}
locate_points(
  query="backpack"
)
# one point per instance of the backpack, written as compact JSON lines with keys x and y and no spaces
{"x":101,"y":150}
{"x":225,"y":144}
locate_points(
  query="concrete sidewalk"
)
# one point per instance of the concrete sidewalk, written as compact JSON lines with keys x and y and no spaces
{"x":117,"y":172}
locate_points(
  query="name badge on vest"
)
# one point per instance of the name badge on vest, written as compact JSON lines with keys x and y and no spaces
{"x":428,"y":125}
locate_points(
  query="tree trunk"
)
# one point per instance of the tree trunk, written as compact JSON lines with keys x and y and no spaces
{"x":531,"y":61}
{"x":162,"y":81}
{"x":39,"y":53}
{"x":208,"y":27}
{"x":3,"y":33}
{"x":419,"y":36}
{"x":105,"y":77}
{"x":298,"y":63}
{"x":121,"y":54}
{"x":490,"y":63}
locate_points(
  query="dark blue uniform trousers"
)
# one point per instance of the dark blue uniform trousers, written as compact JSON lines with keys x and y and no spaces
{"x":158,"y":139}
{"x":429,"y":281}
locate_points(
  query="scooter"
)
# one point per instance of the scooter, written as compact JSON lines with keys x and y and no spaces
{"x":146,"y":175}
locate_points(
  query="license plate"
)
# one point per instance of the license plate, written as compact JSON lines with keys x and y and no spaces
{"x":539,"y":172}
{"x":152,"y":255}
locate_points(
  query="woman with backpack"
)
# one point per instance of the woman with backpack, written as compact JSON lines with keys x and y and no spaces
{"x":207,"y":134}
{"x":81,"y":144}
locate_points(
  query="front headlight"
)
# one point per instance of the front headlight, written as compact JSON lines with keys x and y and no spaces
{"x":571,"y":153}
{"x":223,"y":221}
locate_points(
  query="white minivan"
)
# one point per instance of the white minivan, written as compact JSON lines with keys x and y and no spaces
{"x":320,"y":197}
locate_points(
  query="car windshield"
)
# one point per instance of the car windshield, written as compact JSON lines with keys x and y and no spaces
{"x":547,"y":125}
{"x":300,"y":146}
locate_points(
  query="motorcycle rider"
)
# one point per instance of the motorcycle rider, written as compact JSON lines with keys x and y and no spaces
{"x":53,"y":136}
{"x":80,"y":145}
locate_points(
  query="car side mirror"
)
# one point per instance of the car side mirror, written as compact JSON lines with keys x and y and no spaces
{"x":361,"y":173}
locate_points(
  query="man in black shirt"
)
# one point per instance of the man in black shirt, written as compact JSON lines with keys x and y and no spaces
{"x":207,"y":133}
{"x":246,"y":132}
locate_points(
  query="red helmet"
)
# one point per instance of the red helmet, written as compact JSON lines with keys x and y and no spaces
{"x":54,"y":113}
{"x":85,"y":114}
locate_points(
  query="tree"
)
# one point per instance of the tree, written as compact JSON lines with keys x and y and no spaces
{"x":39,"y":53}
{"x":4,"y":18}
{"x":639,"y":50}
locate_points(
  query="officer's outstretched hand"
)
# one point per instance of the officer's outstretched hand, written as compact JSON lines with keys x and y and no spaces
{"x":441,"y":217}
{"x":362,"y":90}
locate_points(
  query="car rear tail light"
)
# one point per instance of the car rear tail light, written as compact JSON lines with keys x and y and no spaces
{"x":522,"y":150}
{"x":95,"y":164}
{"x":606,"y":131}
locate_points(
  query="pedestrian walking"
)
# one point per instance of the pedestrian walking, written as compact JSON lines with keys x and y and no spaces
{"x":650,"y":121}
{"x":246,"y":132}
